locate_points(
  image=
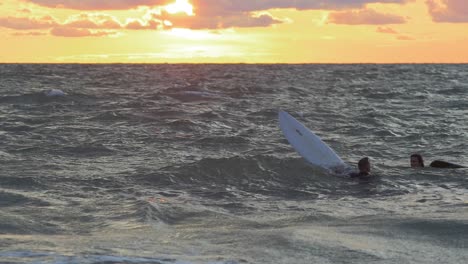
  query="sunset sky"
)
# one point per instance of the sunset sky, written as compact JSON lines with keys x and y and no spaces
{"x":232,"y":31}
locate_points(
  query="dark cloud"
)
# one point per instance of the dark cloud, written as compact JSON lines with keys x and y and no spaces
{"x":450,"y":11}
{"x":93,"y":21}
{"x":25,"y":23}
{"x":364,"y":17}
{"x":216,"y":14}
{"x":217,"y":7}
{"x":221,"y":7}
{"x":219,"y":22}
{"x":78,"y":26}
{"x":209,"y":14}
{"x":98,"y":4}
{"x":100,"y":21}
{"x":143,"y":25}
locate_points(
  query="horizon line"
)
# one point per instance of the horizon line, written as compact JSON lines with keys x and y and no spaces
{"x":238,"y":63}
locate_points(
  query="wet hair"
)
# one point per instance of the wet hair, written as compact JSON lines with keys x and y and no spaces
{"x":419,"y":157}
{"x":363,"y":162}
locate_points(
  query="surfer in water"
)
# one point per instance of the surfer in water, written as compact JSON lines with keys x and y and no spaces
{"x":416,"y":161}
{"x":364,"y":169}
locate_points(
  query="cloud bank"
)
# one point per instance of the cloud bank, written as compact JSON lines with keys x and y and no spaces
{"x":24,"y":23}
{"x":218,"y":7}
{"x":97,"y":5}
{"x":219,"y":14}
{"x":83,"y":25}
{"x":450,"y":11}
{"x":209,"y":14}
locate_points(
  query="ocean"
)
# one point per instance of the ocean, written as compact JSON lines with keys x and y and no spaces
{"x":185,"y":163}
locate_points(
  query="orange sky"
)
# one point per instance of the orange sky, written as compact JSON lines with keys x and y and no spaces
{"x":233,"y":31}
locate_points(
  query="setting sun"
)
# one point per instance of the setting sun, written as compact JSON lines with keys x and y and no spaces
{"x":180,"y":6}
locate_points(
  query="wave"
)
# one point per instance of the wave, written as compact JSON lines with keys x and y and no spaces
{"x":8,"y":199}
{"x":32,"y":98}
{"x":43,"y":257}
{"x":88,"y":149}
{"x":266,"y":175}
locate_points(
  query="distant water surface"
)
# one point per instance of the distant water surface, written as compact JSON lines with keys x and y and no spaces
{"x":186,"y":164}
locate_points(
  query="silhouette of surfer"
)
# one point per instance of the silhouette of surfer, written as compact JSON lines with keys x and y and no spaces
{"x":364,"y":169}
{"x":417,"y":161}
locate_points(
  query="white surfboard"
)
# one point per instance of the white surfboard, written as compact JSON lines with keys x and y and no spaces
{"x":307,"y":144}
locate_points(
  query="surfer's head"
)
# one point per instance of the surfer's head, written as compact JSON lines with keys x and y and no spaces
{"x":364,"y":165}
{"x":416,"y":161}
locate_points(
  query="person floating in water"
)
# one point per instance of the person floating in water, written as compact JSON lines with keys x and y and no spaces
{"x":364,"y":169}
{"x":416,"y":161}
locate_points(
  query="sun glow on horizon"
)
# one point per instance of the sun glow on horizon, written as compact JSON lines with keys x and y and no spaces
{"x":192,"y":34}
{"x":180,"y":6}
{"x":195,"y":31}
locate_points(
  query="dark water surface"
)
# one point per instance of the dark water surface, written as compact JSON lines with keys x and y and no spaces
{"x":186,"y":164}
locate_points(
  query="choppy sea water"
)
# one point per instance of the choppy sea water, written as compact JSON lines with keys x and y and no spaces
{"x":186,"y":164}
